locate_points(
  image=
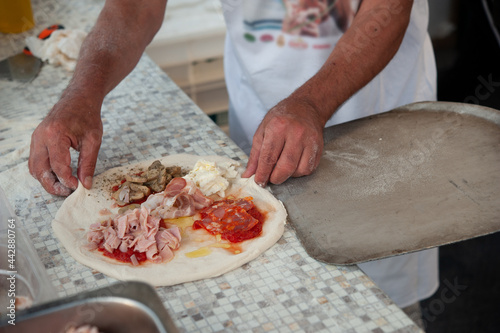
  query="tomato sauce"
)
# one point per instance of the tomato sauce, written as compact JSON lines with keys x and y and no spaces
{"x":124,"y":256}
{"x":235,"y":220}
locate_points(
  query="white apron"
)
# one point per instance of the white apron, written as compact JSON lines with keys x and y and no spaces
{"x":274,"y":46}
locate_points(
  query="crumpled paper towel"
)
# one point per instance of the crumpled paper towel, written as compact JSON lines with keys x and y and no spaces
{"x":61,"y":48}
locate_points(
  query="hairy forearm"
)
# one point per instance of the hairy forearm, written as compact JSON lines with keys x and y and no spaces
{"x":365,"y":49}
{"x":113,"y":48}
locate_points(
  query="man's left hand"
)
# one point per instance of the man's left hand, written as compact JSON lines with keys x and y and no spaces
{"x":287,"y":143}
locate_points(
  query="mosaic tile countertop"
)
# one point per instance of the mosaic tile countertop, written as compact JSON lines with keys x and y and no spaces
{"x":145,"y":117}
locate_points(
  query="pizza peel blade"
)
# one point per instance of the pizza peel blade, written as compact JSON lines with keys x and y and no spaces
{"x":417,"y":177}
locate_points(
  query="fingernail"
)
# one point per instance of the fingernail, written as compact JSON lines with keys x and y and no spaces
{"x":88,"y":182}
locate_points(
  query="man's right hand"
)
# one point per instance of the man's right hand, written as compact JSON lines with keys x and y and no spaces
{"x":73,"y":124}
{"x":108,"y":54}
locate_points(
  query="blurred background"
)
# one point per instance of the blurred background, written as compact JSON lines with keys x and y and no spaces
{"x":466,"y":39}
{"x":189,"y":48}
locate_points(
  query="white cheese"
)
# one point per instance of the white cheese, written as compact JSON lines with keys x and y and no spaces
{"x":211,"y":178}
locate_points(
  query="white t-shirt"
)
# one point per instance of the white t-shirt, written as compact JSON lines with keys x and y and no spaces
{"x":274,"y":46}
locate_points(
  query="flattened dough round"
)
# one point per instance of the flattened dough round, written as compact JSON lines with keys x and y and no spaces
{"x":83,"y":207}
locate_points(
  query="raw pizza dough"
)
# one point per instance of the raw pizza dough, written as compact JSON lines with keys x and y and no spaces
{"x":84,"y":207}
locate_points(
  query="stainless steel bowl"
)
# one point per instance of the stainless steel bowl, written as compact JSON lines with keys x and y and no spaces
{"x":122,"y":307}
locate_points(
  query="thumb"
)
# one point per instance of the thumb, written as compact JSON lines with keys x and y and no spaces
{"x":88,"y":158}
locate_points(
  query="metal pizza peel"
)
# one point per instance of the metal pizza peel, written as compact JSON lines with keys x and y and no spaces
{"x":416,"y":177}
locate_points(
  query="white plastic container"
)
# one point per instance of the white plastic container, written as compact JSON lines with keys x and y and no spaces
{"x":23,"y":279}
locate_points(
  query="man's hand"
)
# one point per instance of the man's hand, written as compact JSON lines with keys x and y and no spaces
{"x":288,"y":142}
{"x":108,"y":54}
{"x":69,"y":124}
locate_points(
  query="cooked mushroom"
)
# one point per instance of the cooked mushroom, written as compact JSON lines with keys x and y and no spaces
{"x":130,"y":192}
{"x":137,"y":187}
{"x":158,"y":184}
{"x":137,"y":192}
{"x":156,"y":165}
{"x":128,"y":207}
{"x":152,"y":174}
{"x":136,"y":178}
{"x":175,"y":171}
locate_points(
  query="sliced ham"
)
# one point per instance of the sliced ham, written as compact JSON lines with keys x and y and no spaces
{"x":133,"y":222}
{"x":177,"y":233}
{"x":149,"y":224}
{"x":126,"y":243}
{"x":111,"y":240}
{"x":166,"y":254}
{"x":180,"y":198}
{"x":175,"y":186}
{"x":136,"y":230}
{"x":144,"y":244}
{"x":95,"y":236}
{"x":183,"y":205}
{"x":152,"y":254}
{"x":134,"y":260}
{"x":140,"y":230}
{"x":201,"y":201}
{"x":168,"y":237}
{"x":123,"y":226}
{"x":153,"y":201}
{"x":124,"y":195}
